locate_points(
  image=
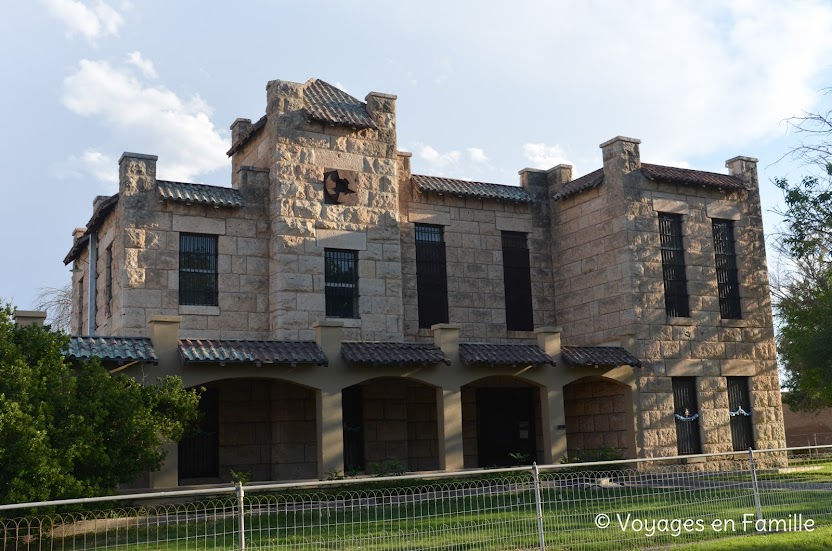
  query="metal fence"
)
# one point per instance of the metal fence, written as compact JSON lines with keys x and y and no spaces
{"x":633,"y":504}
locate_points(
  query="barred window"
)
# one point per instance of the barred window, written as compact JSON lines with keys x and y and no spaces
{"x":739,"y":407}
{"x":198,"y":269}
{"x":341,"y":283}
{"x":727,"y":276}
{"x":517,"y":281}
{"x":673,"y":266}
{"x":431,"y":275}
{"x":686,"y":413}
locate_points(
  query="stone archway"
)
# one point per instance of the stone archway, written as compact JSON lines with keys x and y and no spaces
{"x":599,"y":418}
{"x":501,"y":422}
{"x":264,"y":427}
{"x":391,"y":423}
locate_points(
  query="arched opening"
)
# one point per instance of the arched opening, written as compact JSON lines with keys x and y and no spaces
{"x":264,"y":429}
{"x":501,"y":422}
{"x":390,"y":425}
{"x":599,"y":419}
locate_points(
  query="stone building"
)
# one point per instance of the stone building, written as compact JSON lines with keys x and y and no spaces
{"x":343,"y":312}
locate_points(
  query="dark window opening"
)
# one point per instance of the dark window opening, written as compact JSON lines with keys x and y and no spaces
{"x":686,"y":412}
{"x":199,"y":451}
{"x":431,"y":275}
{"x":108,"y":281}
{"x":676,"y":302}
{"x":81,"y":306}
{"x":739,"y":406}
{"x":341,"y":283}
{"x":517,"y":282}
{"x":727,"y":277}
{"x":198,"y":269}
{"x":352,"y":401}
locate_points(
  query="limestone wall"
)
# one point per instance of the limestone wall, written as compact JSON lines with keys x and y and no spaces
{"x":303,"y":225}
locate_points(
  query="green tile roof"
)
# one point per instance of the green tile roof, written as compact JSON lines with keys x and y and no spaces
{"x":112,"y":349}
{"x":199,"y":194}
{"x":256,"y":352}
{"x":465,"y":188}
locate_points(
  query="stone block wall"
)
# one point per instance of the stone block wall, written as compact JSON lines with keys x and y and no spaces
{"x":597,"y":414}
{"x":149,"y":283}
{"x":474,"y":262}
{"x":267,"y":428}
{"x":303,"y":225}
{"x":400,"y":424}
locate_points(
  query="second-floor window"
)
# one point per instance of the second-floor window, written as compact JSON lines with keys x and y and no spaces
{"x":727,"y":277}
{"x":431,"y":275}
{"x":676,"y":302}
{"x":341,"y":283}
{"x":198,"y":269}
{"x":108,"y":281}
{"x":517,"y":281}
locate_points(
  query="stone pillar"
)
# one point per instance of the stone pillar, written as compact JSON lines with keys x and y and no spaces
{"x":164,"y":334}
{"x":449,"y":401}
{"x":136,"y":173}
{"x":552,"y":414}
{"x":330,"y":425}
{"x":449,"y":419}
{"x":240,"y":128}
{"x":329,"y":419}
{"x":24,"y":318}
{"x":744,"y":168}
{"x":621,"y":156}
{"x":558,"y":176}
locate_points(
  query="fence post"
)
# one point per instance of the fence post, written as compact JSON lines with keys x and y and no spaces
{"x":754,"y":486}
{"x":241,"y":506}
{"x":539,"y":503}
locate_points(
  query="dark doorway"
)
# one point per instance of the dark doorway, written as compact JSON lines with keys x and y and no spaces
{"x":199,"y":451}
{"x":505,"y":426}
{"x":352,"y":402}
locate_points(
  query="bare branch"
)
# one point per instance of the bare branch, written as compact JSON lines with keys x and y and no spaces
{"x":57,"y":302}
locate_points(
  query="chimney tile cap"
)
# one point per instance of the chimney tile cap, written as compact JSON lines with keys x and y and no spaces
{"x":741,"y":158}
{"x":532,"y":171}
{"x":380,"y":95}
{"x":128,"y":155}
{"x":401,"y":153}
{"x":619,"y":139}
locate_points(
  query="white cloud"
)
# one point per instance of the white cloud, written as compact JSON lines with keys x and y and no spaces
{"x":477,"y":155}
{"x":91,"y":20}
{"x":437,"y":161}
{"x":147,"y":119}
{"x":142,"y":64}
{"x":545,"y":156}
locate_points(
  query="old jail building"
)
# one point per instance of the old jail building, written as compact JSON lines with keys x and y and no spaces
{"x":343,"y":312}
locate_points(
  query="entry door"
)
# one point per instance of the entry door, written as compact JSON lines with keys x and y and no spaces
{"x":352,"y":401}
{"x":505,"y":425}
{"x":199,"y":451}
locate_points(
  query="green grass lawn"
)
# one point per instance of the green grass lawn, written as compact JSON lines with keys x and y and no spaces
{"x":507,"y":520}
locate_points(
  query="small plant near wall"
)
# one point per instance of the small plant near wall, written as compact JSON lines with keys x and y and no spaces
{"x":242,"y":477}
{"x":387,"y":468}
{"x":520,"y":458}
{"x":606,"y":453}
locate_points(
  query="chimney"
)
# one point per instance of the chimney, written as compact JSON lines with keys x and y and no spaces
{"x":136,"y":173}
{"x":744,"y":168}
{"x":621,"y":156}
{"x":98,"y":200}
{"x":25,"y":318}
{"x":240,"y":128}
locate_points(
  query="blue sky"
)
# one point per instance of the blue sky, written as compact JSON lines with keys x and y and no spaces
{"x":483,"y":91}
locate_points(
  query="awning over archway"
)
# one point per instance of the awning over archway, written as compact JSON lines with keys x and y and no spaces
{"x":393,"y":353}
{"x":492,"y":355}
{"x":584,"y":356}
{"x":257,"y":352}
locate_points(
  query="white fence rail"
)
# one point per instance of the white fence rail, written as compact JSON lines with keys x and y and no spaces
{"x":604,"y":505}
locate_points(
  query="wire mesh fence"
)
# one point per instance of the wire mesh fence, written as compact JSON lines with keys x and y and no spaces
{"x":633,"y":504}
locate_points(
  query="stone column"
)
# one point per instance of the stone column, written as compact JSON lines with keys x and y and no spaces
{"x":449,"y":401}
{"x":164,"y":334}
{"x":621,"y":156}
{"x":552,"y":414}
{"x":744,"y":168}
{"x":449,"y":419}
{"x":329,"y":418}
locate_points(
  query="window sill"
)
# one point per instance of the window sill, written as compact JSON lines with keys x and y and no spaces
{"x":520,"y":334}
{"x":680,"y":321}
{"x":194,"y":309}
{"x":424,"y":332}
{"x":348,"y":322}
{"x":734,"y":323}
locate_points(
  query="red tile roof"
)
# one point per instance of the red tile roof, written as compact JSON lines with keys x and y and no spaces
{"x":256,"y":352}
{"x":393,"y":353}
{"x":598,"y":355}
{"x":502,"y":354}
{"x":465,"y":188}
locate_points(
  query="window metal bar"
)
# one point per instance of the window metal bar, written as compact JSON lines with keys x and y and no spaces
{"x":727,"y":275}
{"x":676,"y":299}
{"x":431,"y":275}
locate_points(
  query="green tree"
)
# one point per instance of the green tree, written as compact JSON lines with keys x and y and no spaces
{"x":803,"y":298}
{"x":76,"y":431}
